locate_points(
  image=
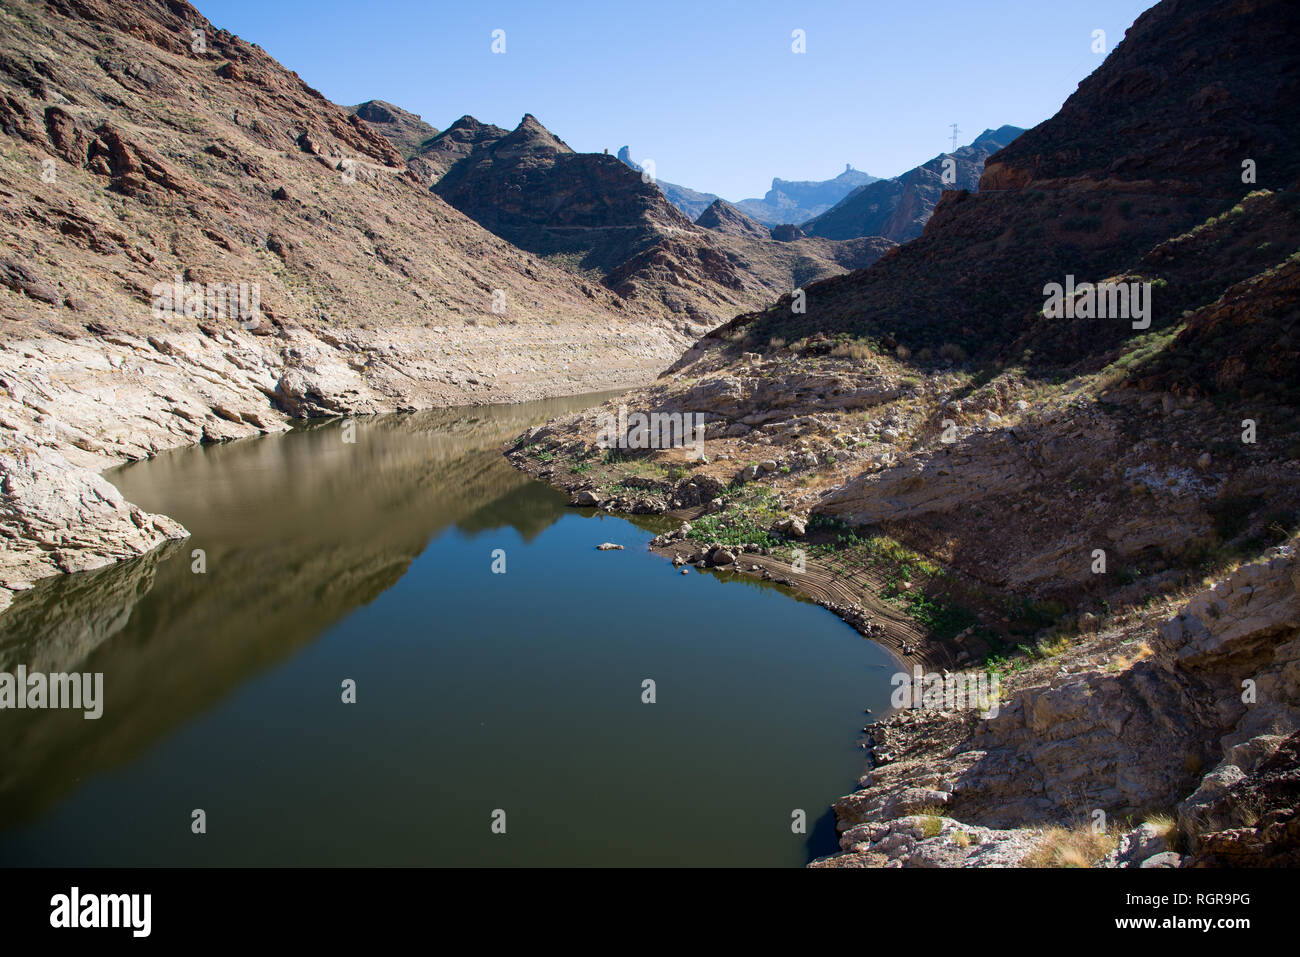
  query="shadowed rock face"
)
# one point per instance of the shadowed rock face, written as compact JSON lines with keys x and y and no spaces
{"x":1126,"y":742}
{"x":691,"y":202}
{"x":1214,"y":82}
{"x":531,"y":189}
{"x":297,"y":531}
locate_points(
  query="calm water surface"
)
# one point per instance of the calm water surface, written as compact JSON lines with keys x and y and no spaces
{"x":476,"y":692}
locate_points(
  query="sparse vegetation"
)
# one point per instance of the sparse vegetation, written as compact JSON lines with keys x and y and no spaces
{"x":1081,"y":846}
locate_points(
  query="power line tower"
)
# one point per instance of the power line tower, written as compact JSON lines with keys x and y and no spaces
{"x":955,"y":131}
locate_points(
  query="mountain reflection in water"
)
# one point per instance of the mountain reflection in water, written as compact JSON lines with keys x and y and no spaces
{"x":297,"y":532}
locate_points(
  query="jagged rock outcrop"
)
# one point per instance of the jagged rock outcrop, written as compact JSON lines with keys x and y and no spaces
{"x":691,"y":202}
{"x":900,"y":207}
{"x":602,"y":212}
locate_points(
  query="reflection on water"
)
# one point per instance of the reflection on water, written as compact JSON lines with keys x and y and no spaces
{"x":327,"y":560}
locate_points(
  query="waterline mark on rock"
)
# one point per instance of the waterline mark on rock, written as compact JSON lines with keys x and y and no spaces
{"x":38,"y":690}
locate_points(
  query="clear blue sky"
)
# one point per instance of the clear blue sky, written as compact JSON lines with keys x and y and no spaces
{"x":709,"y":90}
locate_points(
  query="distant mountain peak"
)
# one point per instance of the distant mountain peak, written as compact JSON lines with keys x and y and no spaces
{"x":898,"y":208}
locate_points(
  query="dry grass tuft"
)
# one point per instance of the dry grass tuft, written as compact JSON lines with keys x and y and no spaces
{"x":1078,"y":847}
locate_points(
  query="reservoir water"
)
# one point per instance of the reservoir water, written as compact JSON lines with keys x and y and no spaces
{"x":481,"y":697}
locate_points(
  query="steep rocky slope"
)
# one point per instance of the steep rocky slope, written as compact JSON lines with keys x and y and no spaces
{"x":899,"y":208}
{"x":1084,"y":506}
{"x":143,"y":148}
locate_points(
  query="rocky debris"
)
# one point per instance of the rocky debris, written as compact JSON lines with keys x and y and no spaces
{"x":720,"y":556}
{"x":1244,"y":620}
{"x":930,"y":841}
{"x":1139,"y":847}
{"x":1244,"y":633}
{"x":1066,"y":744}
{"x":609,"y":547}
{"x":1011,"y":478}
{"x":1246,"y":813}
{"x":794,"y":527}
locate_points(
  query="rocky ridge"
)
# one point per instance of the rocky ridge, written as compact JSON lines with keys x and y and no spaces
{"x":609,"y":223}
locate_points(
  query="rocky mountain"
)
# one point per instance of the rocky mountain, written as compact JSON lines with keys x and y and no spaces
{"x":452,"y":145}
{"x":691,"y":202}
{"x":797,"y":201}
{"x":531,"y":189}
{"x":1056,"y":437}
{"x":197,"y":245}
{"x":722,"y":217}
{"x":899,"y":208}
{"x":600,"y":217}
{"x":406,"y":131}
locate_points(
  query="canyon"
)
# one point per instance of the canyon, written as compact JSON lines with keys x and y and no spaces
{"x":895,"y":425}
